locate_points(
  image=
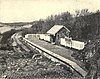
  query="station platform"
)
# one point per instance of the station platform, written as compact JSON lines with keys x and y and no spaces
{"x":61,"y":52}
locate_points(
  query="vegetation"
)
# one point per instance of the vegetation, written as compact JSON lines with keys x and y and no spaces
{"x":84,"y":26}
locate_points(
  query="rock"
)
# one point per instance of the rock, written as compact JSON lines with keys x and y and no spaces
{"x":4,"y":76}
{"x":37,"y":56}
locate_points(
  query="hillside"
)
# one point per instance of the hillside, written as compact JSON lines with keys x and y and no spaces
{"x":84,"y":26}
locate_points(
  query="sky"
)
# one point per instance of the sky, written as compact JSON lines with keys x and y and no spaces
{"x":31,"y":10}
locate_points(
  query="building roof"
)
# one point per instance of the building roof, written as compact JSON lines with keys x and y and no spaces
{"x":56,"y":28}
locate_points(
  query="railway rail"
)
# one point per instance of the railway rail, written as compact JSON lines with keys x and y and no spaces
{"x":48,"y":53}
{"x":17,"y":44}
{"x":53,"y":55}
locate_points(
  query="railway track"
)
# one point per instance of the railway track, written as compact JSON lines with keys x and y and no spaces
{"x":26,"y":45}
{"x":18,"y":45}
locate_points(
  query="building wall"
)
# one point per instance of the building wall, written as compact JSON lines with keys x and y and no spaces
{"x":61,"y":34}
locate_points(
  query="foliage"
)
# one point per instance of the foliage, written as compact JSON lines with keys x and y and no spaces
{"x":84,"y":25}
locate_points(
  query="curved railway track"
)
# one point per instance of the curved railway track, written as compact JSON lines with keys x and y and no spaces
{"x":19,"y":45}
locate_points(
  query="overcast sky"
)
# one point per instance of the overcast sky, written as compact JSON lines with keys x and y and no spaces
{"x":30,"y":10}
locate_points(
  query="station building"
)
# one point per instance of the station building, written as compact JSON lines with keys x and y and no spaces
{"x":57,"y":32}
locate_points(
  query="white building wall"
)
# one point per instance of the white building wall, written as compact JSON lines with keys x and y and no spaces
{"x":72,"y":44}
{"x":45,"y":37}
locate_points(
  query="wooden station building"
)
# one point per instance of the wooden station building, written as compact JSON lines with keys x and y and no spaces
{"x":57,"y":32}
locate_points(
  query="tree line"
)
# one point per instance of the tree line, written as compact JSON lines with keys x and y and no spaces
{"x":83,"y":25}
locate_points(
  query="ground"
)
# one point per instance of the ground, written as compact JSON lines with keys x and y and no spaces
{"x":15,"y":65}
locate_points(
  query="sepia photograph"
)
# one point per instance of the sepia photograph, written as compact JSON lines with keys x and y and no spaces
{"x":49,"y":39}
